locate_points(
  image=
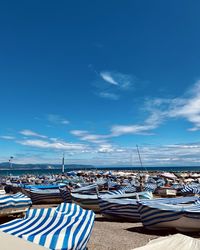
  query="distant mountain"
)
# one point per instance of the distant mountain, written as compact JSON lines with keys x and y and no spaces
{"x":6,"y":166}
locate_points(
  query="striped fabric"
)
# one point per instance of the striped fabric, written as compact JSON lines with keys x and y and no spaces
{"x":128,"y":208}
{"x":191,"y":189}
{"x":150,"y":187}
{"x":177,"y":186}
{"x":86,"y":189}
{"x":64,"y":228}
{"x":101,"y":182}
{"x":113,"y":192}
{"x":128,"y":189}
{"x":65,"y":194}
{"x":119,"y":208}
{"x":45,"y":196}
{"x":18,"y":200}
{"x":160,"y":182}
{"x":91,"y":201}
{"x":112,"y":184}
{"x":158,"y":214}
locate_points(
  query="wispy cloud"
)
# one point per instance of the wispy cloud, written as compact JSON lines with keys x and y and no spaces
{"x":105,"y":148}
{"x":108,"y":77}
{"x":111,"y":84}
{"x":56,"y":145}
{"x":28,"y":132}
{"x":57,"y":119}
{"x":7,"y":137}
{"x":86,"y":136}
{"x":186,"y":106}
{"x":108,"y":95}
{"x":120,"y":80}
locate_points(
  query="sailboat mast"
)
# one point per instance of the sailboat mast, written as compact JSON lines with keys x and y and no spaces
{"x":139,"y":156}
{"x":63,"y":164}
{"x":141,"y":164}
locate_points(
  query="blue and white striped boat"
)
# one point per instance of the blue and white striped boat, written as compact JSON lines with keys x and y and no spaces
{"x":91,"y":201}
{"x":157,"y":215}
{"x":191,"y":189}
{"x":128,"y":208}
{"x":12,"y":204}
{"x":63,"y":228}
{"x":88,"y":189}
{"x":117,"y":209}
{"x":45,"y":196}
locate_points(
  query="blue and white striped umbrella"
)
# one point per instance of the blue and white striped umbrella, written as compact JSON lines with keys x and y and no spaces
{"x":63,"y":228}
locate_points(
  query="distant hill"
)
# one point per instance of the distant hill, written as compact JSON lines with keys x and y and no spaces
{"x":6,"y":166}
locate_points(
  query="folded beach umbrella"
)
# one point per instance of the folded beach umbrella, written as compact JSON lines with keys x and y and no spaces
{"x":176,"y":241}
{"x":63,"y":228}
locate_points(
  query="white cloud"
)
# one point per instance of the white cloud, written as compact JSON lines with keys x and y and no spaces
{"x":187,"y":107}
{"x":110,"y":84}
{"x":86,"y":136}
{"x":108,"y":95}
{"x":57,"y":145}
{"x":28,"y":132}
{"x":7,"y":137}
{"x":105,"y":148}
{"x":57,"y":119}
{"x":108,"y":77}
{"x":151,"y":123}
{"x":120,"y":80}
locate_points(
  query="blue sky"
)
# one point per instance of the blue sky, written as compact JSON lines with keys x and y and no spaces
{"x":95,"y":78}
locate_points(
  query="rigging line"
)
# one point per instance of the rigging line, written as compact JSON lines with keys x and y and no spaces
{"x":140,"y":158}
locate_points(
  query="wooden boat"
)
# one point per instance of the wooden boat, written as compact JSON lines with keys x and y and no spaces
{"x":183,"y":217}
{"x":45,"y":196}
{"x":127,"y":209}
{"x":14,"y":204}
{"x":91,"y":201}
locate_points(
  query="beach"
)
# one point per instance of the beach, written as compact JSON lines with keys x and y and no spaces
{"x":110,"y":235}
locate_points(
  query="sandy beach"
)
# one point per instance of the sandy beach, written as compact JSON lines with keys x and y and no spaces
{"x":112,"y":235}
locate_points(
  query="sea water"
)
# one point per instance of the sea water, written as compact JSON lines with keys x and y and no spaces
{"x":17,"y":172}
